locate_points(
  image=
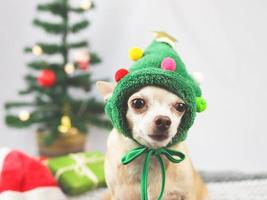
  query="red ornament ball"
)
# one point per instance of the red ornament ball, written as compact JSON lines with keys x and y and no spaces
{"x":120,"y":74}
{"x":47,"y":78}
{"x":83,"y":65}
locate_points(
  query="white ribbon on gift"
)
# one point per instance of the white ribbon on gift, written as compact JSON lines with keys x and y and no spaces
{"x":80,"y":167}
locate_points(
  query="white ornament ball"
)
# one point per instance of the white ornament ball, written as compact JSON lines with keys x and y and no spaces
{"x":24,"y":115}
{"x":82,"y":56}
{"x":86,"y":4}
{"x":37,"y":50}
{"x":69,"y":68}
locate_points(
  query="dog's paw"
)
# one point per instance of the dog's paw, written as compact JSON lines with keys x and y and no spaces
{"x":107,"y":196}
{"x":174,"y":196}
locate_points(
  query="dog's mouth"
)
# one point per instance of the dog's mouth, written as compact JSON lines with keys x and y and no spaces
{"x":159,"y":137}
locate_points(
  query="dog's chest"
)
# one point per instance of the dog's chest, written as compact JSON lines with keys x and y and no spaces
{"x":173,"y":186}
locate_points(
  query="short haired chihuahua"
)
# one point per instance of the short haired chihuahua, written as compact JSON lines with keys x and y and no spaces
{"x":153,"y":115}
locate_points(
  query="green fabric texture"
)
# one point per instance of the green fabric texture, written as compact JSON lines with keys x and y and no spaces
{"x":147,"y":71}
{"x":71,"y":181}
{"x":171,"y":155}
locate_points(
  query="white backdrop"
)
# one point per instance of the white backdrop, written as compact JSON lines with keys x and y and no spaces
{"x":226,"y":40}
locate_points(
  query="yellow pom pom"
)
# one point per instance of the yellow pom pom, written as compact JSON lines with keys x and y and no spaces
{"x":136,"y":53}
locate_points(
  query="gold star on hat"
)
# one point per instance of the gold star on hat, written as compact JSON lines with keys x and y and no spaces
{"x":162,"y":36}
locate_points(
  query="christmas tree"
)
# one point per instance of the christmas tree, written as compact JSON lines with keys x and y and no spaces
{"x":53,"y":108}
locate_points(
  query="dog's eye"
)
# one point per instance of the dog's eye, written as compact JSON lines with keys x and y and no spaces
{"x":180,"y":107}
{"x":138,"y":103}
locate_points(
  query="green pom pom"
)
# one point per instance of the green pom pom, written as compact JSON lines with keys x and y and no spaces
{"x":201,"y":104}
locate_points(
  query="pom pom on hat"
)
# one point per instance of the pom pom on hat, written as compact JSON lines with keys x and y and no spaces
{"x":201,"y":104}
{"x":198,"y":77}
{"x":120,"y":74}
{"x":136,"y":53}
{"x":168,"y":64}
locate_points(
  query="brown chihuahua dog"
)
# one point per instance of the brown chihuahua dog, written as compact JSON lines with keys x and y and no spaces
{"x":153,"y":115}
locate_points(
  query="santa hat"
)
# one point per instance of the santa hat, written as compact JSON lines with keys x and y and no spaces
{"x":25,"y":178}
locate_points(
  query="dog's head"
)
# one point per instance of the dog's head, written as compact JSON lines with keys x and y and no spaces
{"x":154,"y":114}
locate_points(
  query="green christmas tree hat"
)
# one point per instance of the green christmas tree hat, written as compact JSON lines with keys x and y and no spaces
{"x":159,"y":65}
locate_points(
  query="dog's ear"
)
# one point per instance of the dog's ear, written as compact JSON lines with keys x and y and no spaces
{"x":105,"y":88}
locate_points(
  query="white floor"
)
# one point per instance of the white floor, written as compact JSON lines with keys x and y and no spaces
{"x":244,"y":190}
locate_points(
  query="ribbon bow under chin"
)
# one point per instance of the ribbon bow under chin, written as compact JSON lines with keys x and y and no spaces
{"x":171,"y":155}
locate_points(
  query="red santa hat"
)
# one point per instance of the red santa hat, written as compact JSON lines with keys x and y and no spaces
{"x":25,"y":178}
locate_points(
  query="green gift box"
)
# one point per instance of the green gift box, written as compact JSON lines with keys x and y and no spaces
{"x":78,"y":173}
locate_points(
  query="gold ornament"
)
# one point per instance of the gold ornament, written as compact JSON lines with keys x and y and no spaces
{"x":162,"y":36}
{"x":24,"y":115}
{"x":65,"y":125}
{"x":86,"y":4}
{"x":37,"y":50}
{"x":69,"y":68}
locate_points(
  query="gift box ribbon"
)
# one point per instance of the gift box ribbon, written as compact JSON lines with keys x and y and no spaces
{"x":80,"y":167}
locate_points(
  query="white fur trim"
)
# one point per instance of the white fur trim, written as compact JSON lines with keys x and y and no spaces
{"x":3,"y":153}
{"x":44,"y":193}
{"x":198,"y":77}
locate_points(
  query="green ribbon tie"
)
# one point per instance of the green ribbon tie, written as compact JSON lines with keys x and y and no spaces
{"x":171,"y":155}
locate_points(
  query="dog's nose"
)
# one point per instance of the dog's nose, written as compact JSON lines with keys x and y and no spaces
{"x":162,"y":123}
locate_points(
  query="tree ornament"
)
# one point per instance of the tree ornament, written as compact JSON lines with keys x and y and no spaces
{"x":86,"y":4}
{"x":162,"y":36}
{"x":201,"y":104}
{"x":120,"y":74}
{"x":168,"y":64}
{"x":69,"y":68}
{"x":24,"y":115}
{"x":83,"y":59}
{"x":136,"y":53}
{"x":198,"y":77}
{"x":47,"y":78}
{"x":37,"y":50}
{"x":65,"y":125}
